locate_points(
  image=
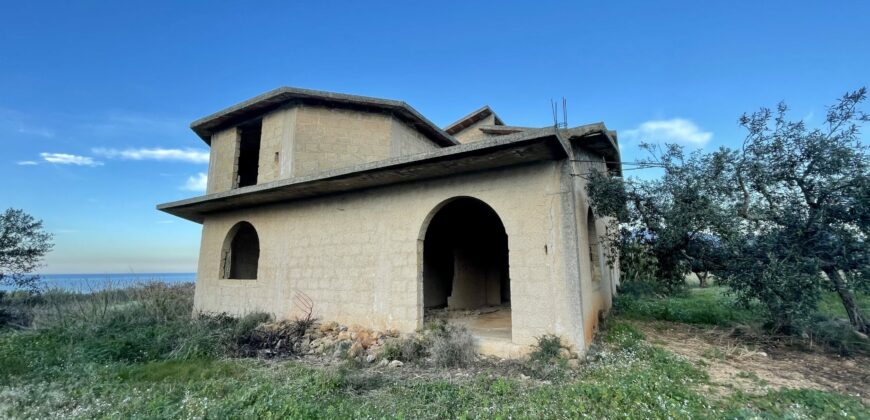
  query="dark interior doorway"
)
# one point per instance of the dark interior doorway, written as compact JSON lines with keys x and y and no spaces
{"x":465,"y":258}
{"x":249,"y":153}
{"x":241,"y":253}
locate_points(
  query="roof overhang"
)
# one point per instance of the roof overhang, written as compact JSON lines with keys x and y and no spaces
{"x":515,"y":149}
{"x":286,"y":96}
{"x":597,"y":139}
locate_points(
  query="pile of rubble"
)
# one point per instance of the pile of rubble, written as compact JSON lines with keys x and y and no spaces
{"x":286,"y":338}
{"x":342,"y":341}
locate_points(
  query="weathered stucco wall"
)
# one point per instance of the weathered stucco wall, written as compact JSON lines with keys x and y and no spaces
{"x":597,"y":297}
{"x":405,"y":140}
{"x":359,"y":255}
{"x":276,"y":151}
{"x":223,"y":159}
{"x":329,"y":138}
{"x":473,"y":133}
{"x":303,"y":140}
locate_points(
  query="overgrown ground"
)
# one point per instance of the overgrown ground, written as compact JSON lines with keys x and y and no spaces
{"x":137,"y":354}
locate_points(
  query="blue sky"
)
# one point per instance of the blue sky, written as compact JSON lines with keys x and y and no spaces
{"x":96,"y":97}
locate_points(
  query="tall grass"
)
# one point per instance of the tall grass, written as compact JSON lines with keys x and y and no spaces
{"x":146,"y":323}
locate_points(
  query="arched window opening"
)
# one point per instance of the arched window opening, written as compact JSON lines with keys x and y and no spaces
{"x":594,"y":248}
{"x":465,"y":268}
{"x":241,"y":253}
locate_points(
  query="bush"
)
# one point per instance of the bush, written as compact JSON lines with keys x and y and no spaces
{"x":454,"y":347}
{"x":406,"y":349}
{"x":547,"y":359}
{"x":548,"y":349}
{"x":837,"y":335}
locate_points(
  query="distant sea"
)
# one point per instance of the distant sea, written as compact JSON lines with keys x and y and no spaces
{"x":95,"y":282}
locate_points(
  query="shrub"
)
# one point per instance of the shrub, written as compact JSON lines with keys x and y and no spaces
{"x":548,"y":349}
{"x":454,"y":347}
{"x":837,"y":335}
{"x":547,"y":359}
{"x":407,"y":349}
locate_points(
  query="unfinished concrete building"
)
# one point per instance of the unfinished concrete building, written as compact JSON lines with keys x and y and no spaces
{"x":384,"y":219}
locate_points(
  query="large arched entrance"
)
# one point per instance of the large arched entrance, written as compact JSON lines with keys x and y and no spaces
{"x":465,"y":268}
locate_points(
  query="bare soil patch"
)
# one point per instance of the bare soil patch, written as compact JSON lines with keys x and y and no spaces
{"x":740,"y":363}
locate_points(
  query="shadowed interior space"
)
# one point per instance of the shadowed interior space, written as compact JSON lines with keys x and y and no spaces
{"x":465,"y":268}
{"x":241,"y":253}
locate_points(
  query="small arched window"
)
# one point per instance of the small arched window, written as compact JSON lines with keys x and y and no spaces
{"x":241,"y":253}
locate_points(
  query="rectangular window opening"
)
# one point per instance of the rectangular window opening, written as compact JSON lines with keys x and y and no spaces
{"x":249,"y":153}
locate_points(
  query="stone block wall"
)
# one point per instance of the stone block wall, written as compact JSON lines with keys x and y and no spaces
{"x":359,"y":255}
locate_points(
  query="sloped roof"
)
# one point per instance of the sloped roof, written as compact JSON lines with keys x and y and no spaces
{"x":472,"y":118}
{"x":268,"y":101}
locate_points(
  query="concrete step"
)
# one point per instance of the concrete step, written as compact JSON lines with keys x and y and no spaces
{"x":500,"y":347}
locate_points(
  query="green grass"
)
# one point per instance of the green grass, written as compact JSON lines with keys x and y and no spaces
{"x":713,"y":306}
{"x":708,"y":306}
{"x":138,"y":363}
{"x":832,"y":306}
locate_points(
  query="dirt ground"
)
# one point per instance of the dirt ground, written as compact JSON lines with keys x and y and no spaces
{"x":736,"y":363}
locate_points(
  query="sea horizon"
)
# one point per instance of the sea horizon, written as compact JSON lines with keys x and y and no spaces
{"x":91,"y":282}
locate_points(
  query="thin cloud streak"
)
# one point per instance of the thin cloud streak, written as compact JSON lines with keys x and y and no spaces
{"x":68,"y":159}
{"x":27,"y":163}
{"x":157,"y":153}
{"x":676,"y":130}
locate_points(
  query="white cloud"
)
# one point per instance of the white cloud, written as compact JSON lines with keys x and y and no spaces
{"x":27,"y":162}
{"x":67,"y":159}
{"x":676,"y":130}
{"x":182,"y":155}
{"x":196,"y":182}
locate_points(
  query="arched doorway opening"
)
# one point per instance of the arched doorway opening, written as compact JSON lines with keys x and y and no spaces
{"x":465,"y":268}
{"x":241,"y":253}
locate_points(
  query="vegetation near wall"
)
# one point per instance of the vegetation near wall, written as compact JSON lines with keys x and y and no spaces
{"x":139,"y":353}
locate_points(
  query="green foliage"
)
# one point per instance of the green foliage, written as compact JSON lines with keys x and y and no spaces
{"x":548,"y":359}
{"x":23,"y":244}
{"x":665,"y":222}
{"x":131,"y":326}
{"x":623,"y":334}
{"x":710,"y":306}
{"x":801,"y":195}
{"x":412,"y":348}
{"x":837,"y":335}
{"x":796,"y":404}
{"x":50,"y":372}
{"x":638,"y":266}
{"x":547,"y":349}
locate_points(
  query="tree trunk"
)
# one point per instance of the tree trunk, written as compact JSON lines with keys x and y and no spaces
{"x":702,"y":279}
{"x":858,"y":321}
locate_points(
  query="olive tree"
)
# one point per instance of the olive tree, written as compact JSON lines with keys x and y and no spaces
{"x":671,"y":217}
{"x":801,"y":196}
{"x":23,"y":244}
